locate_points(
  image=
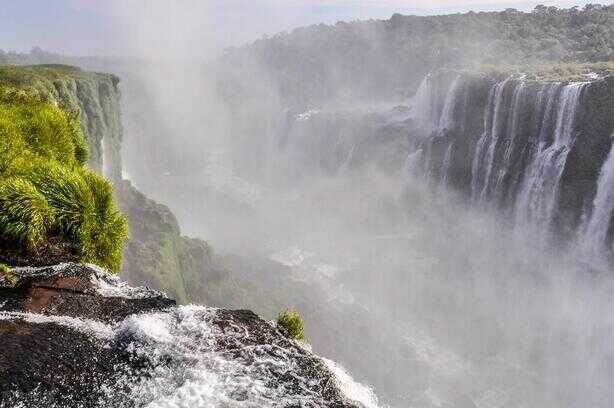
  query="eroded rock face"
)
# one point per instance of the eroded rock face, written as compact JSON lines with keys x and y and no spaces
{"x":74,"y":336}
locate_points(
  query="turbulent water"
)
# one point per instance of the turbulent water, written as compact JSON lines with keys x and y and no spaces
{"x":191,"y":370}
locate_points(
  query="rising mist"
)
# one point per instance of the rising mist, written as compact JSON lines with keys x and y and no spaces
{"x":428,"y":299}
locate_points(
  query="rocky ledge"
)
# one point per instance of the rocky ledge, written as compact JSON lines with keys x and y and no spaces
{"x":74,"y":336}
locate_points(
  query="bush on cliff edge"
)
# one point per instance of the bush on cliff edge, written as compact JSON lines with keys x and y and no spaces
{"x":291,"y":325}
{"x":46,"y":193}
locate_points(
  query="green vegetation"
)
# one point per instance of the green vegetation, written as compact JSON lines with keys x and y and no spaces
{"x":87,"y":96}
{"x":5,"y":272}
{"x":385,"y":58}
{"x":553,"y":72}
{"x":46,"y":193}
{"x":291,"y":325}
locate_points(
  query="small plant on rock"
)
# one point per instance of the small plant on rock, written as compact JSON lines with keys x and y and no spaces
{"x":290,"y":324}
{"x":5,"y":273}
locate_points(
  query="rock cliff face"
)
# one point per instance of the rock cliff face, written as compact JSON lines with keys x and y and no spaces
{"x":74,"y":336}
{"x":158,"y":255}
{"x":96,"y":97}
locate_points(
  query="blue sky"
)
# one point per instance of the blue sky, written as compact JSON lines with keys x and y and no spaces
{"x":103,"y":27}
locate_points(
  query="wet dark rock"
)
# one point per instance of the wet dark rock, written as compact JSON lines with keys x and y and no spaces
{"x":72,"y":290}
{"x":67,"y":341}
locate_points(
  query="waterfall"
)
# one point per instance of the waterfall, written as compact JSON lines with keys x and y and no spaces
{"x":425,"y":103}
{"x":412,"y":163}
{"x":446,"y":120}
{"x":478,"y":156}
{"x":512,"y":133}
{"x":493,"y":138}
{"x":445,"y":168}
{"x":595,"y":238}
{"x":537,"y":201}
{"x":489,"y":141}
{"x":423,"y":111}
{"x":434,"y":125}
{"x":531,"y":185}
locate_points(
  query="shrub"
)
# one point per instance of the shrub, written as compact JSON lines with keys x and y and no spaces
{"x":85,"y":212}
{"x":25,"y":214}
{"x":107,"y":229}
{"x":68,"y":194}
{"x":5,"y":272}
{"x":291,"y":325}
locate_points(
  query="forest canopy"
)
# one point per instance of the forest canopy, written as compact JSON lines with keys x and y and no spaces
{"x":384,"y":58}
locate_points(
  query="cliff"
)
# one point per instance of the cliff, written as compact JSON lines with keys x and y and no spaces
{"x":93,"y":96}
{"x":155,"y":254}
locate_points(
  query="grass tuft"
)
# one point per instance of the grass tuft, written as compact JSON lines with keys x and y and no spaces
{"x":25,"y":214}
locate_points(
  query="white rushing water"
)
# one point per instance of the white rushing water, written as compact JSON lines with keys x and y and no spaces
{"x":445,"y":168}
{"x":594,"y":238}
{"x":191,"y":370}
{"x":446,"y":120}
{"x":538,"y":198}
{"x":491,"y":138}
{"x":422,"y":103}
{"x":513,"y":129}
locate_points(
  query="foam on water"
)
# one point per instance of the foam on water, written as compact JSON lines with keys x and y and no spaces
{"x":90,"y":327}
{"x":352,"y":389}
{"x":192,"y":370}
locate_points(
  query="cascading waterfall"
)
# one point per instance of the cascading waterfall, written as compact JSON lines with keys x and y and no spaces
{"x":446,"y":120}
{"x":435,"y":125}
{"x":512,"y":134}
{"x":537,"y":202}
{"x":445,"y":169}
{"x":518,"y":161}
{"x":478,"y":157}
{"x":527,"y":201}
{"x":493,"y":156}
{"x":489,"y":142}
{"x":423,"y":109}
{"x":413,"y":162}
{"x":594,"y":239}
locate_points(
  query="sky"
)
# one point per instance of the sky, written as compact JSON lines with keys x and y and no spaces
{"x":100,"y":27}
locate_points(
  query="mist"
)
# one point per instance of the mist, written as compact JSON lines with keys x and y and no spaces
{"x":428,"y":299}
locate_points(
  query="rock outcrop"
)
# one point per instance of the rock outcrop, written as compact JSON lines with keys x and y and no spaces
{"x":74,"y":336}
